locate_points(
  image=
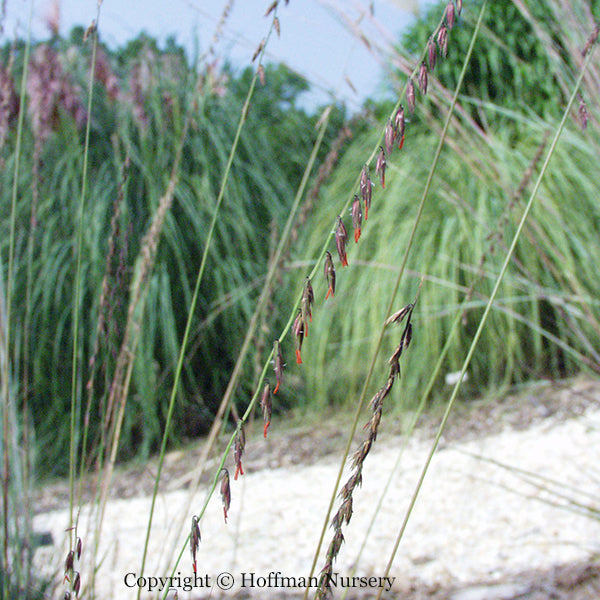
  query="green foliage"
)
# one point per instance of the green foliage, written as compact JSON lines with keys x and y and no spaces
{"x":512,"y":66}
{"x":140,"y":99}
{"x":549,"y":291}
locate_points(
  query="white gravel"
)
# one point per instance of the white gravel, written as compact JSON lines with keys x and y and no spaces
{"x":474,"y":519}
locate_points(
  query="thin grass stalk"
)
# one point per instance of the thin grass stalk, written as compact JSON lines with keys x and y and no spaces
{"x":9,"y":285}
{"x":251,"y":330}
{"x":195,"y":297}
{"x":486,"y":313}
{"x":395,"y":291}
{"x":75,"y":382}
{"x":544,"y":483}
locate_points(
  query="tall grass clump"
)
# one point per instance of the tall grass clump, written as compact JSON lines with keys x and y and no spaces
{"x":139,"y":111}
{"x":546,"y":314}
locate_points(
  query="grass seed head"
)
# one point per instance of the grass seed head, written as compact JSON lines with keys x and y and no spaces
{"x":410,"y":95}
{"x":431,"y":53}
{"x":225,"y":493}
{"x":380,"y":166}
{"x":258,"y":50}
{"x":583,"y":113}
{"x":390,"y":134}
{"x":194,"y":541}
{"x":306,"y":303}
{"x":450,"y":14}
{"x":271,"y":8}
{"x":366,"y":189}
{"x":341,"y":237}
{"x":69,"y":562}
{"x":399,"y":315}
{"x":399,"y":124}
{"x":298,"y":331}
{"x":266,"y":406}
{"x":356,"y":217}
{"x":77,"y":583}
{"x":329,"y":274}
{"x":442,"y":40}
{"x":238,"y":450}
{"x":278,"y":364}
{"x":423,"y":78}
{"x":592,"y":39}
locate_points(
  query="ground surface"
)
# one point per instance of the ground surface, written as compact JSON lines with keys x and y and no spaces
{"x":509,"y":509}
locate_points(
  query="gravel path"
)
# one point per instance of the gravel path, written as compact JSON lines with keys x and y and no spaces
{"x":490,"y":507}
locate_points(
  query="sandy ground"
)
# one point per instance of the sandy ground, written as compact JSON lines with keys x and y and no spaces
{"x":509,"y":509}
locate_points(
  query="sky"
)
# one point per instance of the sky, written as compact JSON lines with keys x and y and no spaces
{"x":317,"y":38}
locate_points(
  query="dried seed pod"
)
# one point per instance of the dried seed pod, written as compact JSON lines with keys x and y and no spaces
{"x":431,"y":53}
{"x":225,"y":492}
{"x":442,"y":40}
{"x":450,"y":14}
{"x":277,"y":364}
{"x":67,"y":596}
{"x":380,"y":166}
{"x":266,"y":406}
{"x":389,"y":137}
{"x":423,"y":78}
{"x":238,"y":450}
{"x":308,"y":298}
{"x":366,"y":189}
{"x":298,"y":331}
{"x":329,"y":274}
{"x":277,"y":26}
{"x":458,"y":6}
{"x":356,"y":217}
{"x":410,"y":95}
{"x":341,"y":237}
{"x":78,"y":547}
{"x":261,"y":74}
{"x":399,"y":124}
{"x":194,"y":541}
